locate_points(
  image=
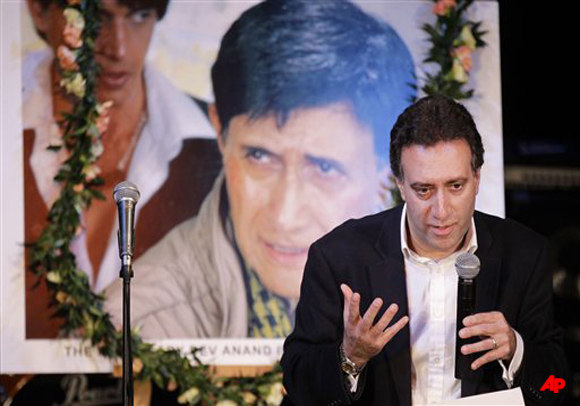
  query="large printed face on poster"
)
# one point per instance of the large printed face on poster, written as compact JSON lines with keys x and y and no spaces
{"x":240,"y":168}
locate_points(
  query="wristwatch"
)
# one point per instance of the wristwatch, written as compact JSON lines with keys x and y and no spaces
{"x":347,"y":365}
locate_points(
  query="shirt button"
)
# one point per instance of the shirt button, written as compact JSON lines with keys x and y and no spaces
{"x":437,"y":360}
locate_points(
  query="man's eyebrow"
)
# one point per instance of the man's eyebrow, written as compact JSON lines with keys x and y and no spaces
{"x":456,"y":180}
{"x":140,"y":7}
{"x":132,"y":9}
{"x":416,"y":185}
{"x":258,"y":147}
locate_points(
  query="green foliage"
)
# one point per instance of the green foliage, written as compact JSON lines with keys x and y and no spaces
{"x":446,"y":35}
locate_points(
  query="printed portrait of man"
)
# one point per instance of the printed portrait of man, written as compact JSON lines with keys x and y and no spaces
{"x":157,"y":136}
{"x":305,"y":96}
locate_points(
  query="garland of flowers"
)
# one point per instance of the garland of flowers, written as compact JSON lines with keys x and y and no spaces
{"x":453,"y":40}
{"x":51,"y":259}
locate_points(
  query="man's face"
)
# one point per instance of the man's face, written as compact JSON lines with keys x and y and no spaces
{"x":289,"y":186}
{"x":121,"y":47}
{"x":439,"y":187}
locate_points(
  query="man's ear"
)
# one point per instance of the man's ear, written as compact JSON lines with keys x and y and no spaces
{"x":477,"y":179}
{"x":216,"y":124}
{"x":39,"y":16}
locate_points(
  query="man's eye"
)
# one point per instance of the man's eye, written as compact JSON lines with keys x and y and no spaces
{"x":257,"y":154}
{"x":141,"y":16}
{"x":457,"y":186}
{"x":423,"y":191}
{"x":326,"y":167}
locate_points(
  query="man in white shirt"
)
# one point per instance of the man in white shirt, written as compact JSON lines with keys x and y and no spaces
{"x":345,"y":349}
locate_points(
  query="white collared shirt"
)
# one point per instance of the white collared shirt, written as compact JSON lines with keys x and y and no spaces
{"x":432,"y":299}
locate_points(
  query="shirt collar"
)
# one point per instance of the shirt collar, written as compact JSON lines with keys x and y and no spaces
{"x":408,"y":253}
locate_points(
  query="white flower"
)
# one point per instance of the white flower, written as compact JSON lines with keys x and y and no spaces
{"x":54,"y":277}
{"x":97,"y":149}
{"x":275,"y":396}
{"x":249,"y":397}
{"x":466,"y":37}
{"x":74,"y":85}
{"x":226,"y":402}
{"x":103,"y":107}
{"x":458,"y":73}
{"x":74,"y":18}
{"x":91,"y":172}
{"x":189,"y":396}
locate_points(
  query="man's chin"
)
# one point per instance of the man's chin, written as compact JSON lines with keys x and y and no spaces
{"x":289,"y":289}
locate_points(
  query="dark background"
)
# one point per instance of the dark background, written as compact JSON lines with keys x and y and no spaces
{"x":542,"y":146}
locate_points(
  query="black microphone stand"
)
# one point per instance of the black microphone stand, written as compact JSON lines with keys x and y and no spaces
{"x":126,"y":195}
{"x":127,"y":273}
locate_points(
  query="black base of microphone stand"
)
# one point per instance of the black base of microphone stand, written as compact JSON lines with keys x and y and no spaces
{"x":127,"y":274}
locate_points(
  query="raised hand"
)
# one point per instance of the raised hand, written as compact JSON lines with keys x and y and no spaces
{"x":361,"y":339}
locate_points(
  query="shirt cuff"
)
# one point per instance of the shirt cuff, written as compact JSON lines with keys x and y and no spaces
{"x":352,"y":382}
{"x":514,"y":366}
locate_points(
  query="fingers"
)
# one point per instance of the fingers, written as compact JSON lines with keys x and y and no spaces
{"x":482,"y":318}
{"x":394,"y":329}
{"x":498,"y":338}
{"x":486,"y":358}
{"x":386,"y":318}
{"x":485,"y":344}
{"x":361,"y":339}
{"x":485,"y":324}
{"x":371,"y":313}
{"x":351,"y":312}
{"x":478,"y":331}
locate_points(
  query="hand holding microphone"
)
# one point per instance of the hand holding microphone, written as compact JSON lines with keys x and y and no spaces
{"x":498,"y":339}
{"x":489,"y":331}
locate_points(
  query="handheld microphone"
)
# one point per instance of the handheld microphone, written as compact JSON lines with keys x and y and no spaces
{"x":467,"y":266}
{"x":126,"y":195}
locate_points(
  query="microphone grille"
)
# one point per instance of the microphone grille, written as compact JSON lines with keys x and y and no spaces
{"x":467,"y":266}
{"x":126,"y":190}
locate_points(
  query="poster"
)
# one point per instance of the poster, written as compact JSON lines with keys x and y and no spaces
{"x":184,"y":45}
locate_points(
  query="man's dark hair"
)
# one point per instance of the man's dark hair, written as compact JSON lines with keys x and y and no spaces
{"x":282,"y":55}
{"x":160,"y":6}
{"x":431,"y":120}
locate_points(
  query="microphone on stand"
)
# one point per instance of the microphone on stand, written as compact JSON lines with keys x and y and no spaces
{"x":126,"y":195}
{"x":467,"y":266}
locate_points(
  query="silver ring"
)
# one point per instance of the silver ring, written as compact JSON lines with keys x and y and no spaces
{"x":494,"y":343}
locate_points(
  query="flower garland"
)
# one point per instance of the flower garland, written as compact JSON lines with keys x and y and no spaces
{"x":453,"y":40}
{"x":52,"y":260}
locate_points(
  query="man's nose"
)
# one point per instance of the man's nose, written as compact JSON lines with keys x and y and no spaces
{"x":440,"y":208}
{"x":287,"y":201}
{"x":113,"y":39}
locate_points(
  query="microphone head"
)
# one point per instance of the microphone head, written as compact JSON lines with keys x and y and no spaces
{"x":467,"y":266}
{"x":126,"y":191}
